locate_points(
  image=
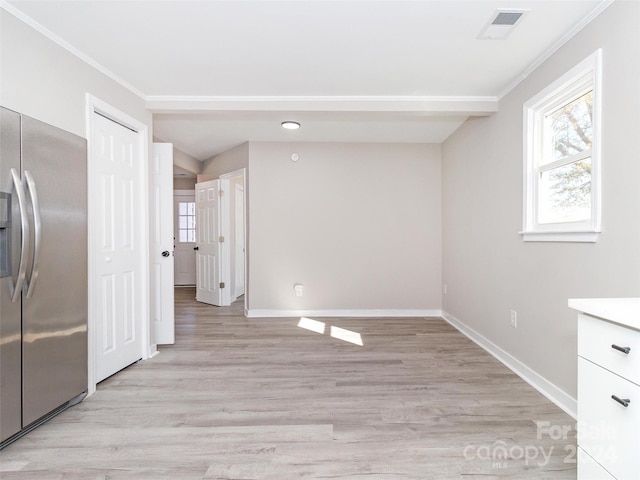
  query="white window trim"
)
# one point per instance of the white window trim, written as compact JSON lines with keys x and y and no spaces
{"x":187,"y":229}
{"x":587,"y":72}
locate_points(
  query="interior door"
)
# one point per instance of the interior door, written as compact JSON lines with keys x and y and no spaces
{"x":208,"y":268}
{"x":118,"y":263}
{"x":184,"y":222}
{"x":162,"y":259}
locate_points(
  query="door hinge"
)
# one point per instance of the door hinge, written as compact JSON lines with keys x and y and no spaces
{"x":221,"y":284}
{"x":221,"y":239}
{"x":220,"y":193}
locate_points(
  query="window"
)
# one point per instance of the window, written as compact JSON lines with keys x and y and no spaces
{"x":186,"y":222}
{"x":561,"y":158}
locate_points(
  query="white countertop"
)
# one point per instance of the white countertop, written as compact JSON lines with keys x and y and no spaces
{"x":624,"y":311}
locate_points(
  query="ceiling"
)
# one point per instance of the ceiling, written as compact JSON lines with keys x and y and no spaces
{"x":219,"y":73}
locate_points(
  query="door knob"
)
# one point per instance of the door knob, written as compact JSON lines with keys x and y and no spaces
{"x":196,"y":248}
{"x":165,"y":253}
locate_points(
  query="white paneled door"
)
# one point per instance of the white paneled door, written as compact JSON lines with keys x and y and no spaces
{"x":162,"y":246}
{"x":209,"y":239}
{"x":118,"y":252}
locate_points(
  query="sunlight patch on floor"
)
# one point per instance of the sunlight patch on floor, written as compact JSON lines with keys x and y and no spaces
{"x":336,"y":332}
{"x":346,"y":335}
{"x":313,"y":325}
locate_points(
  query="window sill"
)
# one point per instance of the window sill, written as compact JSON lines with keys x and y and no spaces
{"x":577,"y":237}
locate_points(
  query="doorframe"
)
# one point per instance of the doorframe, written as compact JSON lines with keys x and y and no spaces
{"x":238,"y":199}
{"x":95,"y":105}
{"x":242,"y":172}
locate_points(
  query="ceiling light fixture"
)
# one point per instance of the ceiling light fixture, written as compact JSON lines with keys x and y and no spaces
{"x":290,"y":125}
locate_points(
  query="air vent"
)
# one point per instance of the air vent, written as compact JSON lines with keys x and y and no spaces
{"x":506,"y":18}
{"x":501,"y":24}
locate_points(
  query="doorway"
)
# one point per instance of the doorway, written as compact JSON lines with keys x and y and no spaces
{"x":221,"y":239}
{"x":239,"y":239}
{"x":184,"y":225}
{"x":234,"y":183}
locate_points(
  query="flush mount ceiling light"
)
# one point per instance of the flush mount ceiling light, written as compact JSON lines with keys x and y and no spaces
{"x":289,"y":125}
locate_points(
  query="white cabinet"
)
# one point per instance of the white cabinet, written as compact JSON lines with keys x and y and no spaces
{"x":608,"y":388}
{"x":589,"y":469}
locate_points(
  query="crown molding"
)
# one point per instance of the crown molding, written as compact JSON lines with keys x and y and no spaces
{"x":67,"y":46}
{"x":556,"y":46}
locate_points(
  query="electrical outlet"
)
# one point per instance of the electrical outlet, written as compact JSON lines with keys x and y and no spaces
{"x":444,"y":288}
{"x":514,"y":319}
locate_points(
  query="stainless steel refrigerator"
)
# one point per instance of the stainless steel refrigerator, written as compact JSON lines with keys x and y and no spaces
{"x":43,"y":272}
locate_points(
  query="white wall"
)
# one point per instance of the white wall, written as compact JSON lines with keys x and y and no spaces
{"x":233,"y":159}
{"x":180,"y":183}
{"x":42,"y":80}
{"x":357,"y":224}
{"x":487,"y":267}
{"x":186,"y":161}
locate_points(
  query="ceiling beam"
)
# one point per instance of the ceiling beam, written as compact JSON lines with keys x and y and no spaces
{"x":436,"y":106}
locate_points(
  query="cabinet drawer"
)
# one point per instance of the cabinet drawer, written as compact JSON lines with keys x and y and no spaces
{"x":589,"y":469}
{"x":608,"y":431}
{"x":595,"y":340}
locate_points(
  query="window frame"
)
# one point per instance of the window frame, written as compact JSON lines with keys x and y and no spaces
{"x":187,"y":229}
{"x":580,"y":79}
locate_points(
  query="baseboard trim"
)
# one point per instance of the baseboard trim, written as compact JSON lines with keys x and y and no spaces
{"x":537,"y":381}
{"x":382,"y":313}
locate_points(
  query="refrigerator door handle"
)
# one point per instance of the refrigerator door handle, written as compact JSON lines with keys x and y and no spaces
{"x":24,"y":225}
{"x":37,"y":232}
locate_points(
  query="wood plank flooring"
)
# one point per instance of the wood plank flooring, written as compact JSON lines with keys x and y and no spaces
{"x":241,"y":399}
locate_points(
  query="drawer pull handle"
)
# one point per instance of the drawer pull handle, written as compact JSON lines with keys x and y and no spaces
{"x":622,"y":401}
{"x":621,"y":349}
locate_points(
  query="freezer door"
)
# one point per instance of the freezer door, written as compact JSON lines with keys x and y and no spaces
{"x":10,"y":371}
{"x":54,"y":323}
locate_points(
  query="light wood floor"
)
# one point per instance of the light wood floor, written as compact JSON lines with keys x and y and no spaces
{"x":239,"y":398}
